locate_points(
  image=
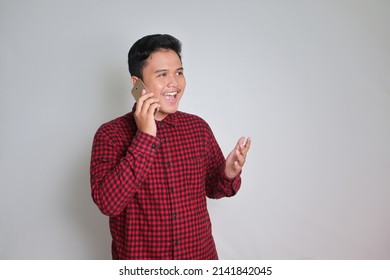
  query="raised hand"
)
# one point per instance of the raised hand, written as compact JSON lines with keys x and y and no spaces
{"x":236,"y":159}
{"x":145,"y":109}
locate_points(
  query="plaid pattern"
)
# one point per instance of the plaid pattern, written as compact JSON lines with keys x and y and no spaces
{"x":154,"y":188}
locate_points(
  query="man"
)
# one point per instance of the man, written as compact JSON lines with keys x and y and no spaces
{"x":152,"y":168}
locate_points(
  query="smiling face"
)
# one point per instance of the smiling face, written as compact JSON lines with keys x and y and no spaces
{"x":163,"y":75}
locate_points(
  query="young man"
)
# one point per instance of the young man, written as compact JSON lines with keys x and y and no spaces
{"x":152,"y":168}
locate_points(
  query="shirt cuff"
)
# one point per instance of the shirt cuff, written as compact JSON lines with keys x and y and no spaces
{"x":233,"y":183}
{"x":144,"y":143}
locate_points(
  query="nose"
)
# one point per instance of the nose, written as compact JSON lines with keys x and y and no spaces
{"x":173,"y":81}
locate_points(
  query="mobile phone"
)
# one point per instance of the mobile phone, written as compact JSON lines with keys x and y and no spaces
{"x":137,"y":89}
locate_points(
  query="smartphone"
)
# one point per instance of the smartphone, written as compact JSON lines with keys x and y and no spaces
{"x":137,"y":89}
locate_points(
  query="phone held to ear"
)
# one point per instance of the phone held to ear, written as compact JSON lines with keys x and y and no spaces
{"x":137,"y":89}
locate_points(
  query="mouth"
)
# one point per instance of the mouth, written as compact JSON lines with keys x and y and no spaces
{"x":170,"y":97}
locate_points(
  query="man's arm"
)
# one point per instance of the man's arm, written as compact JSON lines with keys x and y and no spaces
{"x":116,"y":177}
{"x":223,"y":176}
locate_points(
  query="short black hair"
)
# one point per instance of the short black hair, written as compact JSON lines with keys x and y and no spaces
{"x":144,"y":47}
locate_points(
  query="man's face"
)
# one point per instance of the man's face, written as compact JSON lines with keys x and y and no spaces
{"x":163,"y":75}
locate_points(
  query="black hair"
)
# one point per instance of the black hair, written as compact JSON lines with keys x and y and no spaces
{"x":144,"y":47}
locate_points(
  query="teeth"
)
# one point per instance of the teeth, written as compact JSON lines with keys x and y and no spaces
{"x":170,"y":93}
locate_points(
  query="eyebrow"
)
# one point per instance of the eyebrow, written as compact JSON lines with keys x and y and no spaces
{"x":166,"y":70}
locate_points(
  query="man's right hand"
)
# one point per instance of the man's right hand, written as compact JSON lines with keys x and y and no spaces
{"x":144,"y":113}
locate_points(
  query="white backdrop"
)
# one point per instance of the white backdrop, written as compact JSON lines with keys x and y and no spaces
{"x":308,"y":80}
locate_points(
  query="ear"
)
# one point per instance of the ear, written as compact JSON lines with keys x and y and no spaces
{"x":133,"y":79}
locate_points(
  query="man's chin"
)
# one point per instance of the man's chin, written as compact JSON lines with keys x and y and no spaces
{"x":161,"y":114}
{"x":169,"y":109}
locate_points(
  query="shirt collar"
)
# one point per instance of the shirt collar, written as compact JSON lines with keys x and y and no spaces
{"x":171,"y":119}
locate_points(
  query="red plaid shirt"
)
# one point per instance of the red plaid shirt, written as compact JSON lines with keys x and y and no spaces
{"x":154,"y":188}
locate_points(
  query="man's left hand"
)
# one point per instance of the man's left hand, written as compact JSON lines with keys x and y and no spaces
{"x":236,"y":159}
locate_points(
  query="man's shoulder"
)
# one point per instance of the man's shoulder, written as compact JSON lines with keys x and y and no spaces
{"x":119,"y":125}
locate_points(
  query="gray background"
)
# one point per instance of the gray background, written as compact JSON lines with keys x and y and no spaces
{"x":308,"y":80}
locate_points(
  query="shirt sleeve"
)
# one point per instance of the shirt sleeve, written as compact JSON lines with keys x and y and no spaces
{"x":218,"y":185}
{"x":117,"y":176}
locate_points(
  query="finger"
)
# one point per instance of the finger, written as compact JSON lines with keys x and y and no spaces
{"x":237,"y":167}
{"x":145,"y":95}
{"x":154,"y":107}
{"x":245,"y":147}
{"x":148,"y":103}
{"x":248,"y":142}
{"x":240,"y":158}
{"x":240,"y":142}
{"x":142,"y":99}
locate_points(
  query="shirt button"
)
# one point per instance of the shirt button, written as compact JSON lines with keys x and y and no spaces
{"x":176,"y":242}
{"x":172,"y":190}
{"x":164,"y":139}
{"x":154,"y":146}
{"x":169,"y":164}
{"x":174,"y":216}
